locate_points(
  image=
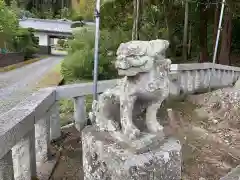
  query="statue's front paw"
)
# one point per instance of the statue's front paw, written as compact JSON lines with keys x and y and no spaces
{"x":155,"y":127}
{"x":132,"y":132}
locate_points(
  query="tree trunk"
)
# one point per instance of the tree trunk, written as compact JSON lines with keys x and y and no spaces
{"x":190,"y":41}
{"x":203,"y":33}
{"x":215,"y":30}
{"x":185,"y":33}
{"x":224,"y":56}
{"x":170,"y":26}
{"x":136,"y":19}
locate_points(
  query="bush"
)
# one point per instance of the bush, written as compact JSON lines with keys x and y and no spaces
{"x":25,"y":14}
{"x":80,"y":61}
{"x":25,"y":41}
{"x":77,"y":18}
{"x":61,"y":42}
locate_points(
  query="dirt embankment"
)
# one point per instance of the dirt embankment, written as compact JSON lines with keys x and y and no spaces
{"x":208,"y":128}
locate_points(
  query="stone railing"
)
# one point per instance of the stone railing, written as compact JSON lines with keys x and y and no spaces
{"x":27,"y":129}
{"x":190,"y":78}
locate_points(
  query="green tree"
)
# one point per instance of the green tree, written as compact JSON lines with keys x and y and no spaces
{"x":86,"y":9}
{"x":8,"y":23}
{"x":79,"y":62}
{"x":61,"y":42}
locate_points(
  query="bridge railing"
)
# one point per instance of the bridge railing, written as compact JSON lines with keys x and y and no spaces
{"x":27,"y":129}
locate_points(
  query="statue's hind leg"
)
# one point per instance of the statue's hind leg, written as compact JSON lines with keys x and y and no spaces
{"x":151,"y":117}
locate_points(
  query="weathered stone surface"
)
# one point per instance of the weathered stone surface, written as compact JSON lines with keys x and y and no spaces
{"x":237,"y":85}
{"x":233,"y":175}
{"x":80,"y":113}
{"x":127,"y":140}
{"x":42,"y":128}
{"x":46,"y":169}
{"x":150,"y":157}
{"x":6,"y":167}
{"x":24,"y":158}
{"x":141,"y":91}
{"x":55,"y":127}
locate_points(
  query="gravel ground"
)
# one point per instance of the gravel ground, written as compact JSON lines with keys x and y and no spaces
{"x":18,"y":84}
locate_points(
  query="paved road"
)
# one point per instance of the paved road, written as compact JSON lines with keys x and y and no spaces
{"x":17,"y":84}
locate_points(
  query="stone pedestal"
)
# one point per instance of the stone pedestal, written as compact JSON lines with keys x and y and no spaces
{"x":108,"y":156}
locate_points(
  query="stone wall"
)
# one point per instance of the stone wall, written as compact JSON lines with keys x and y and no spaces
{"x":10,"y":58}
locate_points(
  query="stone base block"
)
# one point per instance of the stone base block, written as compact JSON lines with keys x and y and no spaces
{"x":108,"y":156}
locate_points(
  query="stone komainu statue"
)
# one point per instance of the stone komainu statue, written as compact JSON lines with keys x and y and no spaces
{"x":139,"y":94}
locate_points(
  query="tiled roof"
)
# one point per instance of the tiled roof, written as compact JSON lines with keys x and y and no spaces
{"x":63,"y":26}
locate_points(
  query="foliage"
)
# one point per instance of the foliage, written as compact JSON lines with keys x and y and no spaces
{"x":8,"y":23}
{"x":65,"y":13}
{"x":25,"y":14}
{"x":17,"y":39}
{"x":117,"y":14}
{"x":21,"y":13}
{"x":25,"y":41}
{"x":76,"y":17}
{"x":236,"y":35}
{"x":61,"y":42}
{"x":87,"y":9}
{"x":79,"y":63}
{"x":14,"y":7}
{"x":47,"y":14}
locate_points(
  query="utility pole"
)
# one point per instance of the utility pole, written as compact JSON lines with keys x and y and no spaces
{"x":95,"y":73}
{"x":217,"y":42}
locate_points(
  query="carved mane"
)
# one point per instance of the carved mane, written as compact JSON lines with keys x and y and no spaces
{"x":140,"y":56}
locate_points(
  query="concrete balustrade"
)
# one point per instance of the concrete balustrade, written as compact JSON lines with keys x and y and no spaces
{"x":196,"y":77}
{"x":24,"y":157}
{"x":42,"y":128}
{"x":80,"y":112}
{"x":55,"y":131}
{"x":27,"y":129}
{"x":6,"y":167}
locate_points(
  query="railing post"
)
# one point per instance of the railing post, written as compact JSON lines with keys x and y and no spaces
{"x":190,"y":82}
{"x":218,"y":77}
{"x":24,"y":157}
{"x":232,"y":77}
{"x":197,"y":81}
{"x":42,"y":129}
{"x":202,"y":75}
{"x":207,"y":80}
{"x":183,"y":81}
{"x":6,"y":167}
{"x":224,"y":78}
{"x":55,"y":127}
{"x":80,"y":112}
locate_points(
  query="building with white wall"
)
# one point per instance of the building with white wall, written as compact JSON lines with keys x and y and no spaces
{"x":47,"y":29}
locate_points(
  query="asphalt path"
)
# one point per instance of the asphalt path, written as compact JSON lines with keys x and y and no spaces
{"x":18,"y":84}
